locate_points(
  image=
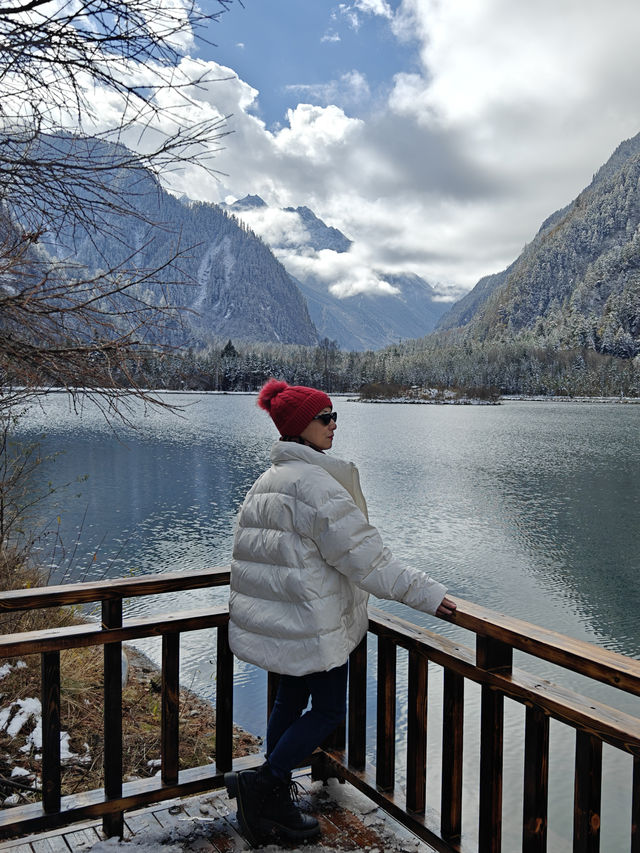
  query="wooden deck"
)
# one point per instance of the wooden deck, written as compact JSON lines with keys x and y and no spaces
{"x":207,"y":824}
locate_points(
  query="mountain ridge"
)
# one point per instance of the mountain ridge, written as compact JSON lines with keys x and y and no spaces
{"x":577,"y":284}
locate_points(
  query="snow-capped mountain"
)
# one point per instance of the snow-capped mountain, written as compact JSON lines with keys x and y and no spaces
{"x":359,"y":307}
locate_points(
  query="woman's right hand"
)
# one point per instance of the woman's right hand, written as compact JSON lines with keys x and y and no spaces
{"x":447,"y":607}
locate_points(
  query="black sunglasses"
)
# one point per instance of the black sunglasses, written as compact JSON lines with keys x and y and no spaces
{"x":327,"y":417}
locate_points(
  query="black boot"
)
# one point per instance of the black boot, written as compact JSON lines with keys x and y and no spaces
{"x":282,"y":813}
{"x":249,"y":794}
{"x":266,"y":803}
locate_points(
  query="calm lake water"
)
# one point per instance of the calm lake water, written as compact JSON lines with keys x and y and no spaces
{"x":529,"y":508}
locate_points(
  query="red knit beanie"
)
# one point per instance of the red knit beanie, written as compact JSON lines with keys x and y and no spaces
{"x":292,"y":407}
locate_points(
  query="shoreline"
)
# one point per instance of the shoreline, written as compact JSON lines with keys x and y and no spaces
{"x":464,"y":401}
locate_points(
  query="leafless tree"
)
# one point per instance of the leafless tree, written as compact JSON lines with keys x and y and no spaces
{"x":61,"y":325}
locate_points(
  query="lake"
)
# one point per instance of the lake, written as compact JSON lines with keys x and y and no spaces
{"x":530,"y":508}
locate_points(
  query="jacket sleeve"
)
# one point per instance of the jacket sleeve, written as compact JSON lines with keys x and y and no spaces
{"x":354,"y":547}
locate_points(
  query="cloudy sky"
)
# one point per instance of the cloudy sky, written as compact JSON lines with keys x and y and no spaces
{"x":436,"y":135}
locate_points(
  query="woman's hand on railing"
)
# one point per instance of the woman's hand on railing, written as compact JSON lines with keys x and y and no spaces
{"x":447,"y":607}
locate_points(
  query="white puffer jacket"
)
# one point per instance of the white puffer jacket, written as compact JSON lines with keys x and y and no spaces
{"x":305,"y":559}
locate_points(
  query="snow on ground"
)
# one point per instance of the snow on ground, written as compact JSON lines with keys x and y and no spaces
{"x":24,"y":716}
{"x":6,"y":668}
{"x":182,"y":833}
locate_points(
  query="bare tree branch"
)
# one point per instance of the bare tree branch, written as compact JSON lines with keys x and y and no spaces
{"x":61,"y":326}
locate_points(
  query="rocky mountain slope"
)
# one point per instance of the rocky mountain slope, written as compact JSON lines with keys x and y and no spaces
{"x":226,"y":278}
{"x":577,"y":284}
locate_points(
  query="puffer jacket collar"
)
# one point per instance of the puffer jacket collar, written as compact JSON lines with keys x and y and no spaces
{"x":344,"y":472}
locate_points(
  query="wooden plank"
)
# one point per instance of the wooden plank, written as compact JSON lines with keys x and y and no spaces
{"x":28,"y":840}
{"x":50,"y":686}
{"x":170,"y":714}
{"x":490,"y":790}
{"x":386,"y":716}
{"x":588,"y":784}
{"x":493,"y":655}
{"x":83,"y":593}
{"x":139,"y":823}
{"x":224,"y":700}
{"x":223,"y":831}
{"x":365,"y":781}
{"x":417,"y":732}
{"x":82,"y":839}
{"x":54,"y":844}
{"x":355,"y":835}
{"x":92,"y":634}
{"x":536,"y":782}
{"x":20,"y":820}
{"x":358,"y":705}
{"x":112,"y":823}
{"x":452,"y":755}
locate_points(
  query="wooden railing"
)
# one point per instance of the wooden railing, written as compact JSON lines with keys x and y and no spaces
{"x":490,"y":665}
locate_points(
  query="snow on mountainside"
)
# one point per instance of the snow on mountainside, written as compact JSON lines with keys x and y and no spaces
{"x":349,"y":302}
{"x":577,"y":284}
{"x":225,"y":276}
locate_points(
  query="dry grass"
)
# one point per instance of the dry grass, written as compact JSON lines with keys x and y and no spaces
{"x":81,"y":715}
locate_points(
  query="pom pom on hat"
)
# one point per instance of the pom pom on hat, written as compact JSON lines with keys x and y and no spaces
{"x":268,"y":391}
{"x":292,"y":407}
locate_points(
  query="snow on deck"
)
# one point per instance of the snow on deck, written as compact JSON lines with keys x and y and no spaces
{"x":207,"y":824}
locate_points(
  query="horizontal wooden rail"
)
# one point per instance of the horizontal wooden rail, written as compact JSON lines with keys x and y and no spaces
{"x":615,"y":727}
{"x":93,"y":634}
{"x":84,"y":593}
{"x":587,"y":659}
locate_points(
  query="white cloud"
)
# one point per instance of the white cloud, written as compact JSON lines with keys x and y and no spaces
{"x":344,"y":273}
{"x":315,"y":134}
{"x":375,"y":7}
{"x":509,"y":111}
{"x":350,"y":88}
{"x":282,"y":228}
{"x":350,"y":15}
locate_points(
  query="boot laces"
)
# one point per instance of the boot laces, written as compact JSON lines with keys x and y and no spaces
{"x":294,"y":790}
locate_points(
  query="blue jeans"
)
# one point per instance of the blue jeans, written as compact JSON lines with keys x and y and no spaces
{"x":293,"y":735}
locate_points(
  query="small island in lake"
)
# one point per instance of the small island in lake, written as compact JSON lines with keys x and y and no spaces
{"x":391,"y":392}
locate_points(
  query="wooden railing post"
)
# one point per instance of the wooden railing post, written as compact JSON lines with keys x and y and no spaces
{"x":224,"y":701}
{"x":588,"y":779}
{"x":170,"y":719}
{"x":417,"y":732}
{"x":50,"y":668}
{"x":536,"y":782}
{"x":494,"y":656}
{"x":386,"y":716}
{"x":452,"y":753}
{"x":358,"y":706}
{"x":113,"y":822}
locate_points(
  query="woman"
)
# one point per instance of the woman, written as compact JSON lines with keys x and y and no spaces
{"x":305,"y":560}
